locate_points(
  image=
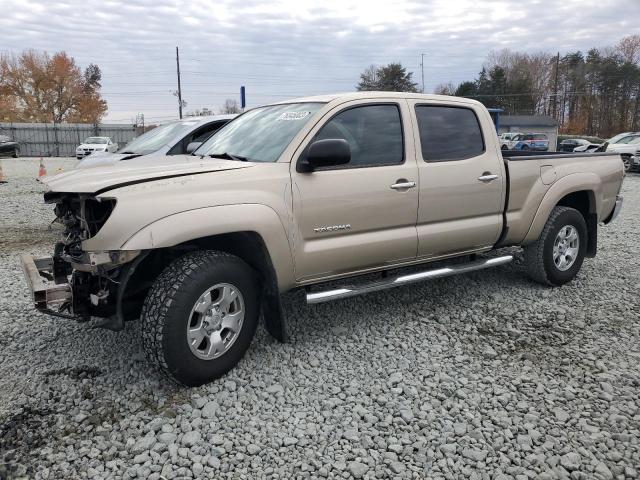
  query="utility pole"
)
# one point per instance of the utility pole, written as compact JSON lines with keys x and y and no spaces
{"x":555,"y":88}
{"x":179,"y":88}
{"x":422,"y":68}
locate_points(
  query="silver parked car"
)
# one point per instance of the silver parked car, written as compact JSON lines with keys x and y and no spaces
{"x":174,"y":138}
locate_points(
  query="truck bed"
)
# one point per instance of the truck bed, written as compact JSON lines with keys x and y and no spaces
{"x":534,"y":180}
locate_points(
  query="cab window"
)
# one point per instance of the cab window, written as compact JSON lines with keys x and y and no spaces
{"x":374,"y":133}
{"x":448,"y":133}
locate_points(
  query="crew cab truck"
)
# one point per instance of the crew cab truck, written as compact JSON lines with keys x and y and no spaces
{"x":295,"y":194}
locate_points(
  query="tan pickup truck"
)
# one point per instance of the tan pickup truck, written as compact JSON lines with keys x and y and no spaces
{"x":299,"y":193}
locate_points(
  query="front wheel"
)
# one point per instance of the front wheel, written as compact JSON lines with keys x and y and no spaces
{"x":626,"y":160}
{"x":200,"y":316}
{"x":556,"y":257}
{"x":16,"y":153}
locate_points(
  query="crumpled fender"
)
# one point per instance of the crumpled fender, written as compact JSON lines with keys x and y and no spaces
{"x":203,"y":222}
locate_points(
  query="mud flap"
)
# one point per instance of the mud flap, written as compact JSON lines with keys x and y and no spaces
{"x":592,"y":233}
{"x":274,"y":319}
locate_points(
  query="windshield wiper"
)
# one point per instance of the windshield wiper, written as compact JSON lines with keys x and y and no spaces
{"x":229,"y":156}
{"x":128,"y":153}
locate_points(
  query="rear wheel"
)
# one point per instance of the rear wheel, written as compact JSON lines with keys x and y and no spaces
{"x":557,"y":256}
{"x":16,"y":153}
{"x":200,"y":316}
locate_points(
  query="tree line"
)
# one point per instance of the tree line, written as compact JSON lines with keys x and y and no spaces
{"x":38,"y":87}
{"x":593,"y":93}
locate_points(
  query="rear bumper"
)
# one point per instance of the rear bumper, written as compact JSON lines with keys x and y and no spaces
{"x":616,"y":209}
{"x":48,"y":296}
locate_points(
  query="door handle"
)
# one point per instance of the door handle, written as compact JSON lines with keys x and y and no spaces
{"x":402,"y":184}
{"x":487,"y":177}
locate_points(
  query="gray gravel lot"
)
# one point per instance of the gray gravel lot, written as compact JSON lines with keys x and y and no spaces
{"x":483,"y":376}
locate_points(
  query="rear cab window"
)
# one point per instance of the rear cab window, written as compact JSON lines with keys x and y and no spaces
{"x":448,"y":133}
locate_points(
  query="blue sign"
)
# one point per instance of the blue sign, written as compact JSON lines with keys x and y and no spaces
{"x":243,"y":100}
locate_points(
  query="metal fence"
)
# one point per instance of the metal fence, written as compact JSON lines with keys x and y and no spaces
{"x":61,"y":139}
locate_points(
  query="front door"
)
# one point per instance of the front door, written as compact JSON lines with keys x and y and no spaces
{"x":361,"y":215}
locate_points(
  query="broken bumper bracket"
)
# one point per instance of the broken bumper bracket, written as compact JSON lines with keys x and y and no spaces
{"x":48,"y":296}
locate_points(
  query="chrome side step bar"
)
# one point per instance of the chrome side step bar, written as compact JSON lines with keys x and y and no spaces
{"x":352,"y":291}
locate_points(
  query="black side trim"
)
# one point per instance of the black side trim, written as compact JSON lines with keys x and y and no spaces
{"x":505,"y":227}
{"x":518,"y":155}
{"x":145,"y":180}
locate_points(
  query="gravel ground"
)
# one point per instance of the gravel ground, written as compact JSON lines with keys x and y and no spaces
{"x":483,"y":376}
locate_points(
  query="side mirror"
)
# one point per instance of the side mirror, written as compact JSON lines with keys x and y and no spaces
{"x":326,"y":153}
{"x":193,"y":146}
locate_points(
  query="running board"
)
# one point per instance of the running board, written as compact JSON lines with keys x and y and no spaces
{"x":346,"y":292}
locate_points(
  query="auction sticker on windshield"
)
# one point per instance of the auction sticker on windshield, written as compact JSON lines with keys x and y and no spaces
{"x":293,"y":115}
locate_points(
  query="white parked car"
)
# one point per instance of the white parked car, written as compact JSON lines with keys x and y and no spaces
{"x":95,"y":144}
{"x":628,"y":146}
{"x":588,"y":147}
{"x":507,"y":140}
{"x":177,"y":137}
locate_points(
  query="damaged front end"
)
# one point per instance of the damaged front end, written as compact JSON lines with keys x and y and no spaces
{"x":74,"y":283}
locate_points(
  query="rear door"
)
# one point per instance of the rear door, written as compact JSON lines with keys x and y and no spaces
{"x":462,"y":181}
{"x":361,"y":215}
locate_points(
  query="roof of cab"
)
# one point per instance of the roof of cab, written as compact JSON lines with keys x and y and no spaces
{"x":345,"y":96}
{"x":199,"y":119}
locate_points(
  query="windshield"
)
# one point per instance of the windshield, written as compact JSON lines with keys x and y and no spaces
{"x":628,"y":139}
{"x":96,"y":140}
{"x":617,"y":137}
{"x":261,"y":134}
{"x":160,"y":136}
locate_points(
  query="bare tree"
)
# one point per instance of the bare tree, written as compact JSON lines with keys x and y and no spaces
{"x":184,"y":102}
{"x":445,"y":89}
{"x":230,"y":106}
{"x":369,"y":79}
{"x":629,"y":48}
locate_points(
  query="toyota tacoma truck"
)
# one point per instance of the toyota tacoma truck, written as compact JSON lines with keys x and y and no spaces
{"x":331,"y":195}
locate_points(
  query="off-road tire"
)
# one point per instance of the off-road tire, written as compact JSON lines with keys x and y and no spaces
{"x":539,"y":255}
{"x":166,"y":310}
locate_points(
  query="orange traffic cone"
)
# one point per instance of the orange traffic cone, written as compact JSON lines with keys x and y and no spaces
{"x":2,"y":178}
{"x":43,"y":170}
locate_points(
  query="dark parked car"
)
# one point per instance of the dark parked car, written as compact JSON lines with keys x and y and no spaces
{"x":8,"y":147}
{"x":570,"y":143}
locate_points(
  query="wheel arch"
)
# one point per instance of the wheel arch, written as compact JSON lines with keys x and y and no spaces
{"x":578,"y":191}
{"x":139,"y":276}
{"x":218,"y":223}
{"x":265,"y":248}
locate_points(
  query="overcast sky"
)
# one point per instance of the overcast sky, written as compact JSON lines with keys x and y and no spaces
{"x":286,"y":48}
